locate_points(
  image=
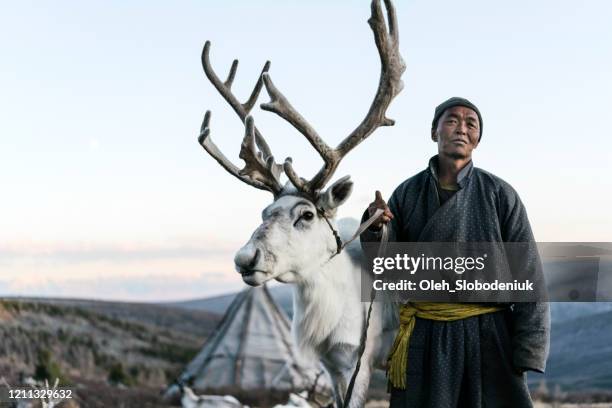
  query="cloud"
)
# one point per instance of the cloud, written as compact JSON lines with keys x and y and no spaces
{"x":111,"y":253}
{"x":151,"y":287}
{"x":121,"y":271}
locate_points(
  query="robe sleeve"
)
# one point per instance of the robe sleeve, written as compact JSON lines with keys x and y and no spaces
{"x":530,"y":320}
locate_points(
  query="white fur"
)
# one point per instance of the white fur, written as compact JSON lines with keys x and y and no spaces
{"x":329,"y":315}
{"x":191,"y":400}
{"x":296,"y":401}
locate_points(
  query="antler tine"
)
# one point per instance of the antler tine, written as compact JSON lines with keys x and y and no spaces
{"x":255,"y":94}
{"x":264,"y":175}
{"x":296,"y":180}
{"x":224,"y":88}
{"x":392,"y":20}
{"x":232,"y":74}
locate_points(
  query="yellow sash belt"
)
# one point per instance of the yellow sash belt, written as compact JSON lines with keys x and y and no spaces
{"x":446,"y":312}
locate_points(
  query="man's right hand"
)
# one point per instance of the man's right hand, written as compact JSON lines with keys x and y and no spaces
{"x":386,"y":216}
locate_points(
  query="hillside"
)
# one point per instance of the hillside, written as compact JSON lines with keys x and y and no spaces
{"x":282,"y":295}
{"x":93,"y":344}
{"x":145,"y":346}
{"x":196,"y":322}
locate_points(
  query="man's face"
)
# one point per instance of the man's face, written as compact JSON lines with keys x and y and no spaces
{"x":457,"y":133}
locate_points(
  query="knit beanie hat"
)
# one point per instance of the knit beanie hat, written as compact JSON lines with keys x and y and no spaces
{"x":451,"y":103}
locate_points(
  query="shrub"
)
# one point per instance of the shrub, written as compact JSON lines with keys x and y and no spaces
{"x":117,"y":375}
{"x":47,"y":368}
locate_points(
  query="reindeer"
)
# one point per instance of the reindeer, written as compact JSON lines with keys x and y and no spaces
{"x":298,"y":241}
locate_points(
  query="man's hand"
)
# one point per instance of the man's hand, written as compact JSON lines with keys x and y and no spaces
{"x":376,"y":204}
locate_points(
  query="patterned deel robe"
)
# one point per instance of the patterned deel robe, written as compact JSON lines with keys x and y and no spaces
{"x":484,"y":209}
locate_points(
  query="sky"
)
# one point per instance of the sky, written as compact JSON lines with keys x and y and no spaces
{"x":106,"y":193}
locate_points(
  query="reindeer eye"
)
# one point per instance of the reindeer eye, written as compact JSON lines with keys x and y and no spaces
{"x":306,"y":216}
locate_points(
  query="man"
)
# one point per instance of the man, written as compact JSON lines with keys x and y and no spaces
{"x":478,"y":359}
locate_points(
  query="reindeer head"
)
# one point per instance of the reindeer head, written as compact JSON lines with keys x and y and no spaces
{"x":297,"y":234}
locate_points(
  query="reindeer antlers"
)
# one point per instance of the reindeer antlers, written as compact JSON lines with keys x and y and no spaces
{"x":390,"y":84}
{"x":260,"y":169}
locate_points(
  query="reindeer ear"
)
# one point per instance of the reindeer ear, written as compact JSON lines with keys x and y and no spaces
{"x":336,"y":194}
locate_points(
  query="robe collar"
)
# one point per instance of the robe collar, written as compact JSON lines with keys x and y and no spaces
{"x":462,"y":177}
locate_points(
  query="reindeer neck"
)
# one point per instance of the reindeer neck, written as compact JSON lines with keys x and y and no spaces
{"x":322,"y":301}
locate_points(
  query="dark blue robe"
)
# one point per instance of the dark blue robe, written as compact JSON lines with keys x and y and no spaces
{"x":474,"y":362}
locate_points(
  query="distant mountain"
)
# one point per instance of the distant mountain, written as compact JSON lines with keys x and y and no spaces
{"x":214,"y":304}
{"x":556,"y":249}
{"x":282,"y":294}
{"x":580,"y":353}
{"x":565,"y":311}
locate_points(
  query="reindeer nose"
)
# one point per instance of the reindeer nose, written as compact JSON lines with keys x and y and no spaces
{"x":246,"y":259}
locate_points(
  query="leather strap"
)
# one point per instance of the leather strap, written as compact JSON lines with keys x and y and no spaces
{"x":341,"y":245}
{"x":364,"y":334}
